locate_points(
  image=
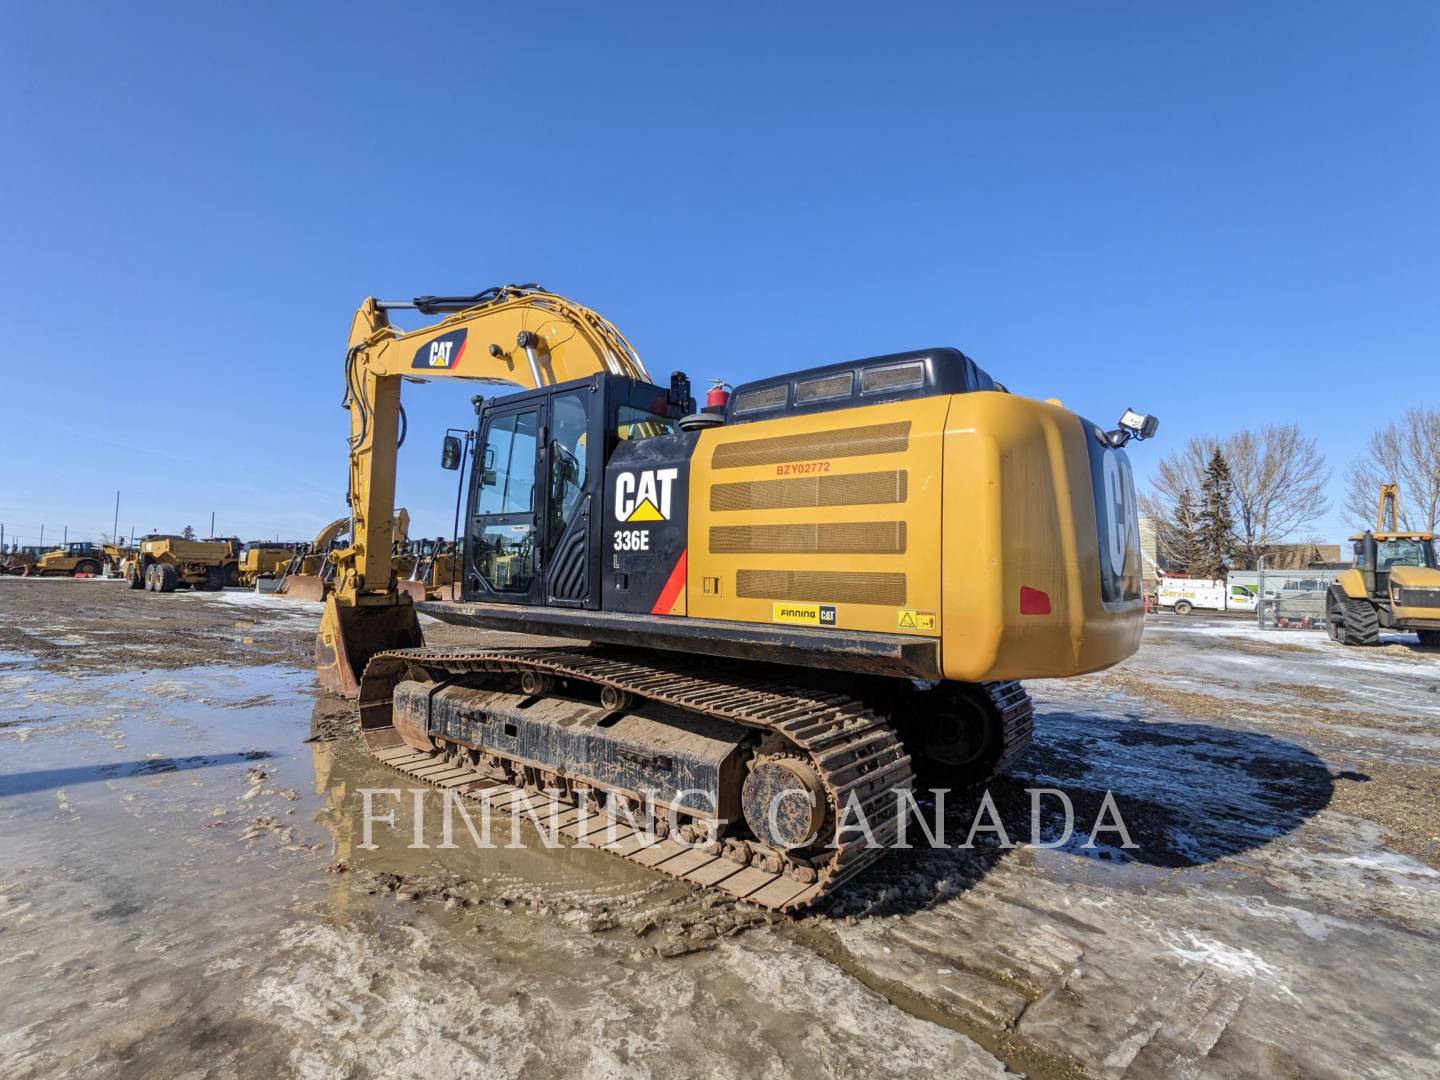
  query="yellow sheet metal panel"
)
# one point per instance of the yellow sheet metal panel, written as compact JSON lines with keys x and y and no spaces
{"x":1414,"y":583}
{"x":1022,"y":583}
{"x":827,"y":519}
{"x":1352,"y":584}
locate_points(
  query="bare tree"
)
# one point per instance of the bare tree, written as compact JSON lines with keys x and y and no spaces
{"x":1404,"y":452}
{"x":1278,"y":476}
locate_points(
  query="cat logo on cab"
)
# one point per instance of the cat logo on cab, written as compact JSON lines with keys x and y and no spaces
{"x":644,"y":496}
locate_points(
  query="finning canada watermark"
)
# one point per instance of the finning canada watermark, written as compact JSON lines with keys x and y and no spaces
{"x":514,"y":818}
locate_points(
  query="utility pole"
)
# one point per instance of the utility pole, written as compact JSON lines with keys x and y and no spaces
{"x":212,"y":522}
{"x":115,"y":528}
{"x":42,"y":534}
{"x":65,"y":536}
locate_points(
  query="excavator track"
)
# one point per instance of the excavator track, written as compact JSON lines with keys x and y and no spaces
{"x":854,"y":752}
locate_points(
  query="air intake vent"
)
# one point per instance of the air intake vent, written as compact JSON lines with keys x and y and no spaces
{"x":834,"y":538}
{"x":822,"y":586}
{"x":856,"y":489}
{"x":847,"y":442}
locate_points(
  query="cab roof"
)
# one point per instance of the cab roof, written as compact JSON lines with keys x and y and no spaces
{"x":1397,"y":536}
{"x":876,"y":379}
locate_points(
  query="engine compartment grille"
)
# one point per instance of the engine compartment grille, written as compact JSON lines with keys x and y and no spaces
{"x":832,"y":538}
{"x":854,"y":489}
{"x":830,"y":586}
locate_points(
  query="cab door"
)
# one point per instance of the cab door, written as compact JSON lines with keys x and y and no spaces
{"x":506,"y":533}
{"x":573,"y":458}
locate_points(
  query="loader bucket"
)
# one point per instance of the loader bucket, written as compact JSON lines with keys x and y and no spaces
{"x":304,"y":587}
{"x":350,"y":636}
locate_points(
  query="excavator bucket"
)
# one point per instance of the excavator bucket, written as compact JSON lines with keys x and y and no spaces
{"x":350,"y":636}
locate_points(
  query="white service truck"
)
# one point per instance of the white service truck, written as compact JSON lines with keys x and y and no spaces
{"x":1185,"y":595}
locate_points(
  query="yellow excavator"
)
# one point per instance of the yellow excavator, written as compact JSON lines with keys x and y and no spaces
{"x":1394,"y":584}
{"x":787,"y":606}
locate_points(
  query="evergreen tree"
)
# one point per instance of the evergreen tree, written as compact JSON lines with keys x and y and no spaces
{"x":1216,"y":523}
{"x":189,"y":533}
{"x":1187,"y":535}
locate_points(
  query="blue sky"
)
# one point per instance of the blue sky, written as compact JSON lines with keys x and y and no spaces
{"x":1225,"y":214}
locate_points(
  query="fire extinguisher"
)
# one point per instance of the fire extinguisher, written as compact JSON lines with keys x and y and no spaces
{"x":718,"y":396}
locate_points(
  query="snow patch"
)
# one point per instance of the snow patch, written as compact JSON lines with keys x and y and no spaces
{"x":1226,"y":959}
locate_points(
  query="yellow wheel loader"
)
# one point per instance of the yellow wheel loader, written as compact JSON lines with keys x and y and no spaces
{"x":164,"y":563}
{"x":786,"y":607}
{"x":72,"y":560}
{"x":1394,"y":585}
{"x":435,"y":567}
{"x":310,"y":574}
{"x":263,"y":559}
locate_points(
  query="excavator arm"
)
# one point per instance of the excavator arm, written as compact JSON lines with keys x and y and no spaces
{"x":518,"y":335}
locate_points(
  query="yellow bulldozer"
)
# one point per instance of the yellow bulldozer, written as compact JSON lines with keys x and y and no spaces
{"x":16,"y":559}
{"x":164,"y":563}
{"x":786,"y":607}
{"x":1394,"y":584}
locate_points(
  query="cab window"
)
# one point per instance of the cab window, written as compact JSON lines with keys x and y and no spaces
{"x":633,"y":423}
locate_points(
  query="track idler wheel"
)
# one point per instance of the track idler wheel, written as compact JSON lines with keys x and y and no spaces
{"x":783,"y":801}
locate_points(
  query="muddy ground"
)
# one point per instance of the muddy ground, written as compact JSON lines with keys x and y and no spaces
{"x":182,"y":890}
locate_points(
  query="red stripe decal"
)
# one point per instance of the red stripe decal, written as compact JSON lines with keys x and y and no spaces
{"x":672,"y":588}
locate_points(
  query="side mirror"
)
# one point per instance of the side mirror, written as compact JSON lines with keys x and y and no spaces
{"x":450,"y":453}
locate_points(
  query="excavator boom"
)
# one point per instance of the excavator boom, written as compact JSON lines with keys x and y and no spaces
{"x":519,"y":335}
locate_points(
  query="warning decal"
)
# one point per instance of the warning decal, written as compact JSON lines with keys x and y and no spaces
{"x":910,"y":619}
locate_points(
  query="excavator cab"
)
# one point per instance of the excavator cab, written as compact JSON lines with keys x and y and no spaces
{"x":533,"y":520}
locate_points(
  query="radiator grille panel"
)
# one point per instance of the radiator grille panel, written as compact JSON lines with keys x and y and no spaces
{"x":835,"y":538}
{"x":823,"y":586}
{"x":847,"y":442}
{"x":857,"y":489}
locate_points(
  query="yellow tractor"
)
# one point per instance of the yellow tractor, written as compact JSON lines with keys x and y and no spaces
{"x":785,"y":607}
{"x":71,"y":560}
{"x":163,"y":563}
{"x":1394,"y":584}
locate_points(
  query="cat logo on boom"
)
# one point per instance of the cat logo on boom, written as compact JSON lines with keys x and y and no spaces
{"x":442,"y":352}
{"x":644,"y":496}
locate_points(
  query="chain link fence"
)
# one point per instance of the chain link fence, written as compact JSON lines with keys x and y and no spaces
{"x":1288,"y":599}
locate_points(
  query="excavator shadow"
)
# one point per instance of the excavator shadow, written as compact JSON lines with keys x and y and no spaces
{"x":1188,"y":794}
{"x":26,"y":783}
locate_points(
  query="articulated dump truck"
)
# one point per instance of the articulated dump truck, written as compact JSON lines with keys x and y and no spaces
{"x":788,"y":607}
{"x":163,"y":563}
